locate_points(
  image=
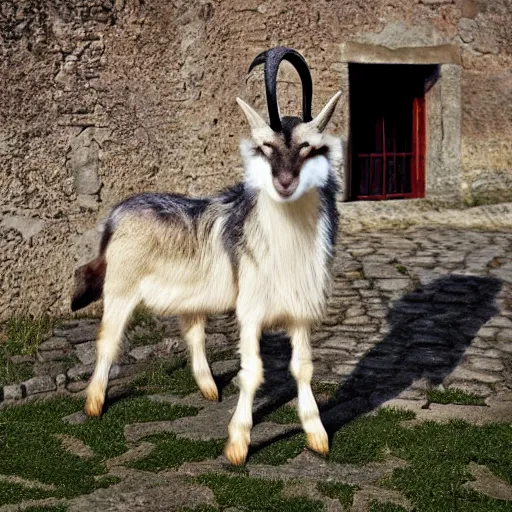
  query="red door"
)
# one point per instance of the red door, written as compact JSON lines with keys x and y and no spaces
{"x":388,"y":131}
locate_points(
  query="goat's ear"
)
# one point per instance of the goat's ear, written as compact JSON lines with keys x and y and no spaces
{"x":255,"y":120}
{"x":323,"y":118}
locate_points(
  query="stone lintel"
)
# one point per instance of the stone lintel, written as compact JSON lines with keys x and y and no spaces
{"x":375,"y":54}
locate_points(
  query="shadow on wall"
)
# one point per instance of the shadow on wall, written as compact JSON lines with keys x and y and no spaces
{"x":430,"y":329}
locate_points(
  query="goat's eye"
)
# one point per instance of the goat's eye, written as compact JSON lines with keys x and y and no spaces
{"x":266,"y":150}
{"x":314,"y":151}
{"x":305,"y":151}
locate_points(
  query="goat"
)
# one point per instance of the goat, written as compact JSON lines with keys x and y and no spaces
{"x":262,"y":248}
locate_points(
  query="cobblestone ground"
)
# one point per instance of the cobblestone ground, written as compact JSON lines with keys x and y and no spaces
{"x":410,"y":311}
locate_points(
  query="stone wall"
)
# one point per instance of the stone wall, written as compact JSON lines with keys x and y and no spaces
{"x":101,"y":99}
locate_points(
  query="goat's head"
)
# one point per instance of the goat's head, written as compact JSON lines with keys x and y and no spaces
{"x":290,"y":155}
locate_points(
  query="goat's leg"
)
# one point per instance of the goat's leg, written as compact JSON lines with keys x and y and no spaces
{"x":116,"y":313}
{"x":250,"y":376}
{"x":193,"y":332}
{"x":301,"y":367}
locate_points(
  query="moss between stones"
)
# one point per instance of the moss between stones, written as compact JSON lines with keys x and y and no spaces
{"x":221,"y":355}
{"x":20,"y":336}
{"x":280,"y":451}
{"x":171,"y":452}
{"x":229,"y":390}
{"x":437,"y":454}
{"x":437,"y":457}
{"x":143,"y":328}
{"x":201,"y":508}
{"x":342,"y":492}
{"x":283,"y":415}
{"x":11,"y":373}
{"x":142,"y":317}
{"x":14,"y":493}
{"x":25,"y":333}
{"x":54,"y":508}
{"x":167,"y":376}
{"x":325,"y":388}
{"x":454,"y":396}
{"x":31,"y":450}
{"x":402,"y":269}
{"x":366,"y":439}
{"x":256,"y":494}
{"x":376,"y":506}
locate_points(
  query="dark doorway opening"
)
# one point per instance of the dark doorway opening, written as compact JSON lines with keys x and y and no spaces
{"x":388,"y":123}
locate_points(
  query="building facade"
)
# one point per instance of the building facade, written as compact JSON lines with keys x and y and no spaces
{"x":101,"y":99}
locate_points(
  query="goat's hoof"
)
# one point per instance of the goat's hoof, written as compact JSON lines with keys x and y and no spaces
{"x":94,"y":405}
{"x":210,"y":392}
{"x":318,"y":442}
{"x":236,"y":453}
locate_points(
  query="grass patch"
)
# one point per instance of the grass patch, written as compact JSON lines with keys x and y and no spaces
{"x":283,"y":415}
{"x":143,"y":338}
{"x":142,"y":317}
{"x":105,"y":435}
{"x":256,"y":494}
{"x":167,"y":376}
{"x":49,"y":508}
{"x":342,"y":492}
{"x":25,"y":333}
{"x":238,"y":470}
{"x":21,"y":336}
{"x":325,"y":388}
{"x":201,"y":508}
{"x":171,"y":452}
{"x":143,"y":329}
{"x":402,"y":269}
{"x":31,"y":450}
{"x":14,"y":493}
{"x":11,"y":373}
{"x":280,"y":451}
{"x":454,"y":396}
{"x":229,"y":390}
{"x":437,"y":455}
{"x":355,"y":275}
{"x":221,"y":355}
{"x":377,"y":506}
{"x":367,"y":438}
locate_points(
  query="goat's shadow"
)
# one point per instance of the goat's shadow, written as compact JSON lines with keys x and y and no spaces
{"x":429,"y":331}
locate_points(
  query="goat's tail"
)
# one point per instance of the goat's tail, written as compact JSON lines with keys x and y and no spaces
{"x":89,"y":281}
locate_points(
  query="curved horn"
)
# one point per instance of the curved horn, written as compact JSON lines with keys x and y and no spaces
{"x":272,"y":59}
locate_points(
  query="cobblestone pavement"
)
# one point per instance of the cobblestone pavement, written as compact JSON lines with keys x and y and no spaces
{"x":410,"y":311}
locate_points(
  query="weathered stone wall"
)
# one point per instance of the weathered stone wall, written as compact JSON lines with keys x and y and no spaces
{"x":101,"y":99}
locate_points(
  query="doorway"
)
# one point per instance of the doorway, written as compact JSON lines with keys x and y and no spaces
{"x":388,"y":139}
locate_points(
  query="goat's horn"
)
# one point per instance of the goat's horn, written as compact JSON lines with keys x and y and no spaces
{"x":323,"y":118}
{"x":254,"y":119}
{"x":272,"y":59}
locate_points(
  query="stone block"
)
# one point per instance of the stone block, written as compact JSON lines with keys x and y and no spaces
{"x":54,"y":343}
{"x":60,"y":380}
{"x":52,"y":355}
{"x":80,"y":372}
{"x":83,"y":332}
{"x":86,"y":352}
{"x":393,"y":284}
{"x":76,"y":387}
{"x":77,"y":418}
{"x":142,"y":353}
{"x":13,"y":392}
{"x":40,"y":384}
